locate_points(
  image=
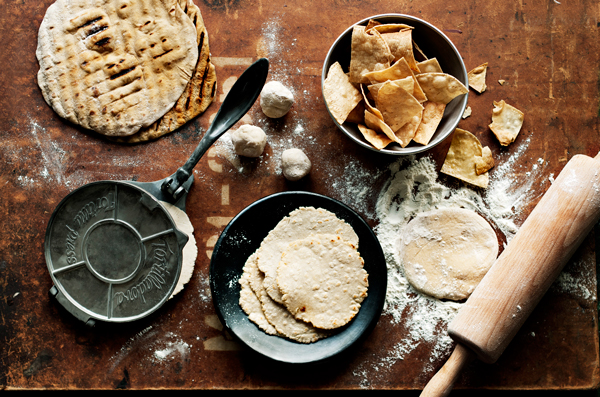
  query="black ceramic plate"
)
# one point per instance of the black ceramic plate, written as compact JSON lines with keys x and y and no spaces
{"x":244,"y":234}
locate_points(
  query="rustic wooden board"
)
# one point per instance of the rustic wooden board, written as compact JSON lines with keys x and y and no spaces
{"x":548,"y":53}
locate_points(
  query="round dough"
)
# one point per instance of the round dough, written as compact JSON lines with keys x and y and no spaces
{"x":190,"y":249}
{"x":446,"y":252}
{"x":276,"y":99}
{"x":322,"y":280}
{"x":249,"y":140}
{"x":295,"y":164}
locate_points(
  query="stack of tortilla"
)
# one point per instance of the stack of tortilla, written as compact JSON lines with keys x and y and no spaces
{"x":307,"y":278}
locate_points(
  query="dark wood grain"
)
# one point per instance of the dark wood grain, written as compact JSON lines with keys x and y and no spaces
{"x":548,"y":54}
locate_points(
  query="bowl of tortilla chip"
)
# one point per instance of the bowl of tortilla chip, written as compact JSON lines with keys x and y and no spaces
{"x":395,"y":84}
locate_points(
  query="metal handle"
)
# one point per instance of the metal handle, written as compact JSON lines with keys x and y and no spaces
{"x":238,"y":101}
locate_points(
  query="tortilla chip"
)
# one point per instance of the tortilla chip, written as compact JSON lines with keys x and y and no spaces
{"x":401,"y":46}
{"x":432,"y":115}
{"x":467,"y":112}
{"x":430,"y":66}
{"x":441,"y":87}
{"x":357,"y":115}
{"x":477,"y":78}
{"x":372,"y":23}
{"x":368,"y":105}
{"x":485,"y":162}
{"x":399,"y":70}
{"x":340,"y":94}
{"x":461,"y":157}
{"x":396,"y":105}
{"x":506,"y":122}
{"x":377,"y":124}
{"x":408,"y":83}
{"x":419,"y":54}
{"x":379,"y":141}
{"x":389,"y":27}
{"x":369,"y":52}
{"x":407,"y":132}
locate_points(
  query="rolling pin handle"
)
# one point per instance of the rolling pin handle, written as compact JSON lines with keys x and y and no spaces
{"x":442,"y":382}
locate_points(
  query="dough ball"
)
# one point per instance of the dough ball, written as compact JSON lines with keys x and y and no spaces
{"x":295,"y":164}
{"x":446,"y":252}
{"x":249,"y":140}
{"x":276,"y":99}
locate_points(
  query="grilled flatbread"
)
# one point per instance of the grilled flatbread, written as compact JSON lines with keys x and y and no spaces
{"x":199,"y":92}
{"x":115,"y":67}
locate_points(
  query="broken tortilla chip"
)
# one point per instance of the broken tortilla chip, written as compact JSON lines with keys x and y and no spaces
{"x":401,"y":46}
{"x":441,"y":87}
{"x":432,"y":115}
{"x":379,"y":141}
{"x":485,"y":162}
{"x":476,"y":78}
{"x":461,"y":157}
{"x":506,"y":122}
{"x":467,"y":112}
{"x":369,"y":52}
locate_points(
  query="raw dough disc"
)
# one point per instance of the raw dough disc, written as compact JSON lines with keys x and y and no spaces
{"x":322,"y":280}
{"x":190,"y":250}
{"x":299,"y":224}
{"x":446,"y":252}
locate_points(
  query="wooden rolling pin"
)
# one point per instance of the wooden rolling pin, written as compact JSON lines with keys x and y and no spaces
{"x":522,"y":274}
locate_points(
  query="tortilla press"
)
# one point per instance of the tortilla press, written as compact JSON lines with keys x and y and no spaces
{"x":113,"y":251}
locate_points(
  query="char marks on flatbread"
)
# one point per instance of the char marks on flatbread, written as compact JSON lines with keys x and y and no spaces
{"x":117,"y":66}
{"x":198,"y":94}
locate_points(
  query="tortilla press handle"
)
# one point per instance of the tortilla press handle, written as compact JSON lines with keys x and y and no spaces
{"x":238,"y":101}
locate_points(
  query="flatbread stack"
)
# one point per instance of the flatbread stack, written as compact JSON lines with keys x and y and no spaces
{"x":306,"y":279}
{"x":392,"y":96}
{"x":131,"y":71}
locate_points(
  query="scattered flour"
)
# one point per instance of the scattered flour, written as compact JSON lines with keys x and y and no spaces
{"x":173,"y":351}
{"x":159,"y":348}
{"x":412,"y":188}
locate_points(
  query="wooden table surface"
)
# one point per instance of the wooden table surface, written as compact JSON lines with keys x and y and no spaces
{"x":547,"y":52}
